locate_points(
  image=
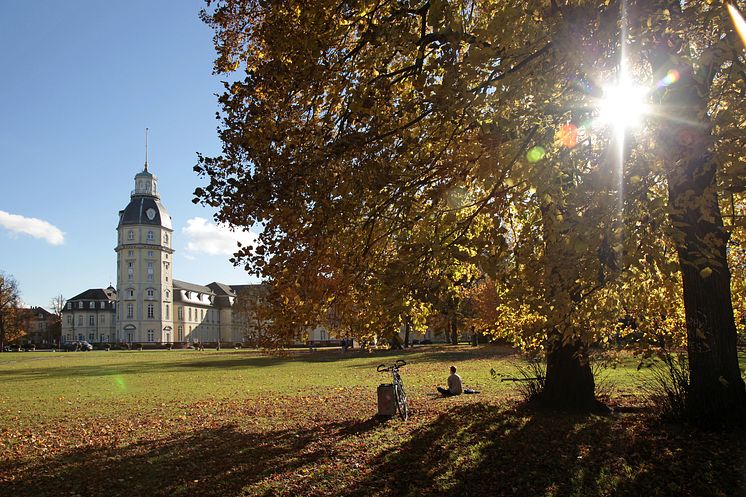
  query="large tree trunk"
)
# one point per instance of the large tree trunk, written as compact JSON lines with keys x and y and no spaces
{"x":569,"y":382}
{"x":716,"y":393}
{"x":454,"y":330}
{"x":407,"y":331}
{"x":716,"y":390}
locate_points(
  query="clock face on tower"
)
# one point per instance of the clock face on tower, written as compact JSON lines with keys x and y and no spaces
{"x":150,"y":213}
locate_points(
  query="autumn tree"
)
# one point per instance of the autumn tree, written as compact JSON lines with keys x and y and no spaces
{"x":699,"y":151}
{"x":10,"y":318}
{"x":364,"y":134}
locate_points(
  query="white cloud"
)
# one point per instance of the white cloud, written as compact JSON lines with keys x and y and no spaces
{"x":214,"y":239}
{"x":37,"y":228}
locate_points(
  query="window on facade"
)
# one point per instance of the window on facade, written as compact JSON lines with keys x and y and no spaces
{"x":102,"y":319}
{"x":69,"y":305}
{"x":151,"y":293}
{"x":91,"y":320}
{"x":130,"y":311}
{"x":150,"y":253}
{"x":91,"y":305}
{"x":130,"y":274}
{"x":165,"y":264}
{"x":80,"y":305}
{"x":131,"y":293}
{"x":90,"y":337}
{"x":180,"y":312}
{"x":69,"y":319}
{"x":181,"y":333}
{"x":190,"y":314}
{"x":168,"y":315}
{"x":80,"y":320}
{"x":103,"y":305}
{"x":130,"y":253}
{"x":168,"y":294}
{"x":165,"y":238}
{"x":151,"y":311}
{"x":130,"y":236}
{"x":151,"y":237}
{"x":151,"y":335}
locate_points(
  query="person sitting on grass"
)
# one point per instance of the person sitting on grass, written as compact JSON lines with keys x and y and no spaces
{"x":454,"y":385}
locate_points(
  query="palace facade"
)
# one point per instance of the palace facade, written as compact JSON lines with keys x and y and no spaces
{"x":148,"y":305}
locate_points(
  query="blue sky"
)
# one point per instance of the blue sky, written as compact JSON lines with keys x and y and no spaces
{"x":81,"y":80}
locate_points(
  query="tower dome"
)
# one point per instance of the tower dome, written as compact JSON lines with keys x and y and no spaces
{"x":145,"y":206}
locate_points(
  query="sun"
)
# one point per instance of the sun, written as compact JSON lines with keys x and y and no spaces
{"x":622,"y":106}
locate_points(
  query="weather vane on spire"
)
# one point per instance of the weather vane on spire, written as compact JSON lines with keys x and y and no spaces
{"x":146,"y":150}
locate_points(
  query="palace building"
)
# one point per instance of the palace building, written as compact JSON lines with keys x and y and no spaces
{"x":148,"y":305}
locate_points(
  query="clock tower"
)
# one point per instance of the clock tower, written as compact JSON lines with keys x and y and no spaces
{"x":144,"y":266}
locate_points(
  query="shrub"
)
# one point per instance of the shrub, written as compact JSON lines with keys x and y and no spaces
{"x":669,"y":384}
{"x":530,"y":377}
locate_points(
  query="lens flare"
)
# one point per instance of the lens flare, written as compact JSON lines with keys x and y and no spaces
{"x":738,"y":22}
{"x":119,"y":382}
{"x":536,"y":154}
{"x":567,"y":135}
{"x":671,"y":77}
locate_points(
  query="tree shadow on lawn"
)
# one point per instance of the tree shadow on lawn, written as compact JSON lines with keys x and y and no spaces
{"x":476,"y":450}
{"x":471,"y":449}
{"x":445,"y":354}
{"x":214,"y":462}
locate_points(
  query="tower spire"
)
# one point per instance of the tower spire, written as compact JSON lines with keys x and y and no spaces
{"x":146,"y":149}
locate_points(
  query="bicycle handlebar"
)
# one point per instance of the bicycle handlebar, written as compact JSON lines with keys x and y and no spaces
{"x":382,"y":368}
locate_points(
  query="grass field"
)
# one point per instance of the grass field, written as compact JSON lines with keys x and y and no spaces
{"x":244,"y":423}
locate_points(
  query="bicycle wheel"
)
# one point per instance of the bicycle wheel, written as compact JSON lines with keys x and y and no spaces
{"x":401,"y":400}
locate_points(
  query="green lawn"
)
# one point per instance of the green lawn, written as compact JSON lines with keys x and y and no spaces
{"x":244,"y":423}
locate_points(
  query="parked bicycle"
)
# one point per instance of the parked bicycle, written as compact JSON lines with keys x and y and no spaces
{"x":400,"y":397}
